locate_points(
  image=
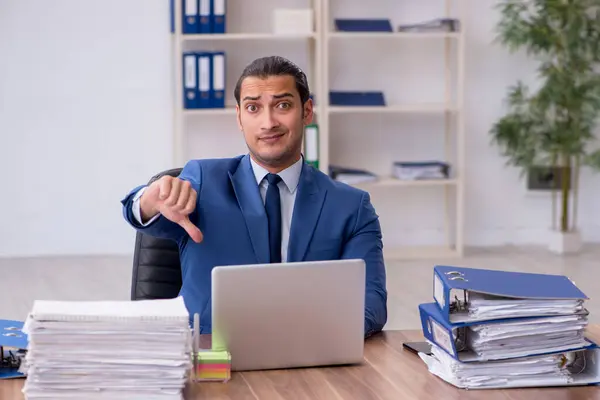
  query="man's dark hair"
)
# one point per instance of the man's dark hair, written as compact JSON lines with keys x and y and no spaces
{"x":274,"y":66}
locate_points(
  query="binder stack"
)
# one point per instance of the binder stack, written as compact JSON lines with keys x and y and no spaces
{"x":203,"y":80}
{"x":107,"y":349}
{"x":200,"y":16}
{"x":499,"y":329}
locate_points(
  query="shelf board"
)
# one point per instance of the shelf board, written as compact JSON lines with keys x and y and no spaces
{"x":408,"y":108}
{"x":390,"y":181}
{"x":393,"y":35}
{"x":247,"y":36}
{"x":393,"y":253}
{"x":210,"y":111}
{"x":229,"y":110}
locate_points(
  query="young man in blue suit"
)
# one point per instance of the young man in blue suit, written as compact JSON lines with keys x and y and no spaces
{"x":266,"y":206}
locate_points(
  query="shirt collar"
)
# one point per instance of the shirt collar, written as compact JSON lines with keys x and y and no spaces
{"x":290,"y":176}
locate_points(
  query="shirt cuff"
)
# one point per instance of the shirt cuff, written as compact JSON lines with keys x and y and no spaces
{"x":135,"y":208}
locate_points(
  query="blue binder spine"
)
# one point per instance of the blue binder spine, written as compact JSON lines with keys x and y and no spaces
{"x":205,"y":16}
{"x":204,"y":79}
{"x":353,"y":98}
{"x":218,"y":80}
{"x":172,"y":15}
{"x":363,"y":25}
{"x":219,"y":10}
{"x":190,"y":80}
{"x":452,"y":285}
{"x":190,"y":18}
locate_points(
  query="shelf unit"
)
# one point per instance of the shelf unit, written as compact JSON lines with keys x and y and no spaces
{"x":451,"y":109}
{"x":319,"y":45}
{"x":182,"y":42}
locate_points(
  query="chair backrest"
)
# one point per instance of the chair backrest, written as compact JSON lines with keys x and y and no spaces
{"x":156,"y":267}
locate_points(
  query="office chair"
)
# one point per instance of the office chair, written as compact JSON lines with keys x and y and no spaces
{"x":156,"y":267}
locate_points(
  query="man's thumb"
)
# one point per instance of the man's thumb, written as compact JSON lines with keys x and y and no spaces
{"x":191,"y":229}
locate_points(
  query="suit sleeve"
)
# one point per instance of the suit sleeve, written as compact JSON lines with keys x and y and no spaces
{"x":366,"y":244}
{"x":161,"y":227}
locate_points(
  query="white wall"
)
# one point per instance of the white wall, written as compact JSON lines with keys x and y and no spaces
{"x":85,"y":116}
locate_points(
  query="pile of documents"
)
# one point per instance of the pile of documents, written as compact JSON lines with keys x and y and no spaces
{"x":114,"y":350}
{"x":411,"y":171}
{"x":434,"y":25}
{"x":498,"y":329}
{"x":351,"y":176}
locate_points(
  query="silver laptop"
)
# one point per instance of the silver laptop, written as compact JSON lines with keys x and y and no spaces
{"x":288,"y":315}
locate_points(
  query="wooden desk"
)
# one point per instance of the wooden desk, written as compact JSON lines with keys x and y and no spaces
{"x":388,"y":373}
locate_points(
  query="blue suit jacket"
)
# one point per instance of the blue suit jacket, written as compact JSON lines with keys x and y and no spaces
{"x":330,"y":221}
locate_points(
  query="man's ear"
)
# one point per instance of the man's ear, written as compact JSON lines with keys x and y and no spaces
{"x":307,"y":112}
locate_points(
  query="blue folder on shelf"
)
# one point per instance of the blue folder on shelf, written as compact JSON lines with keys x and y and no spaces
{"x":355,"y":98}
{"x":363,"y":25}
{"x":190,"y":80}
{"x":205,"y":16}
{"x":190,"y":18}
{"x":466,"y":294}
{"x":13,"y":343}
{"x":205,"y":77}
{"x":218,"y":80}
{"x":218,"y":19}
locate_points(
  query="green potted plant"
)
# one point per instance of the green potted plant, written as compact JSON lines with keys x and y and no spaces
{"x":553,"y":125}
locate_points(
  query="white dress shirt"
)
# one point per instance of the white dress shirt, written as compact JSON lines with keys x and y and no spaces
{"x":288,"y":186}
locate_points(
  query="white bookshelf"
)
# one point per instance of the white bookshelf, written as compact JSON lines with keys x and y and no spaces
{"x":388,"y":190}
{"x":242,"y":31}
{"x":250,"y":36}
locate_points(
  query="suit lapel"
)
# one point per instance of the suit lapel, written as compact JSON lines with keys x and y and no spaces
{"x":307,"y":209}
{"x":248,"y":197}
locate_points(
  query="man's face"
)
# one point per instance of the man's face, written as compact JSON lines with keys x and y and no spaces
{"x":272,"y":118}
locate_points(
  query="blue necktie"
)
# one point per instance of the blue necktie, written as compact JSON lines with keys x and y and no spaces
{"x":273,"y":208}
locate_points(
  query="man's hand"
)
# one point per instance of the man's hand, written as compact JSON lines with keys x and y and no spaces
{"x":175,"y":199}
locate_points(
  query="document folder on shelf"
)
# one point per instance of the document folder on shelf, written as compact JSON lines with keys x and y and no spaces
{"x":205,"y":78}
{"x":218,"y":17}
{"x":469,"y":294}
{"x":190,"y":80}
{"x":218,"y":80}
{"x":204,"y":16}
{"x":363,"y":25}
{"x":311,"y":145}
{"x":13,"y":347}
{"x":435,"y":25}
{"x":503,"y":339}
{"x":351,"y":98}
{"x":190,"y":22}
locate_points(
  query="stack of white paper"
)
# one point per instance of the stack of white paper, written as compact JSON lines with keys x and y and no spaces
{"x":544,"y":370}
{"x":117,"y":350}
{"x":525,"y":337}
{"x":484,"y":307}
{"x":411,"y":171}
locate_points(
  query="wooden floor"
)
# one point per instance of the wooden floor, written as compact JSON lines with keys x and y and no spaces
{"x":409,"y":282}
